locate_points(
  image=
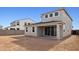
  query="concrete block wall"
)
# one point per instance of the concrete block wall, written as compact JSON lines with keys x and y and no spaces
{"x":11,"y":32}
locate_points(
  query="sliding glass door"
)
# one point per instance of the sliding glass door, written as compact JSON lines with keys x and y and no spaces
{"x":50,"y":30}
{"x":47,"y":30}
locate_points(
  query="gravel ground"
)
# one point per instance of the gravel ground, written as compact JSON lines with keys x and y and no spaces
{"x":22,"y":43}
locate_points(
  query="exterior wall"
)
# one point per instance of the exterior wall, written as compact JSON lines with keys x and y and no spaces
{"x":61,"y":17}
{"x":68,"y":24}
{"x":29,"y":32}
{"x":63,"y":29}
{"x":38,"y":31}
{"x":54,"y":18}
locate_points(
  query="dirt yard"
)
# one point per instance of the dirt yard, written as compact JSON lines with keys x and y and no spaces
{"x":22,"y":43}
{"x":70,"y":44}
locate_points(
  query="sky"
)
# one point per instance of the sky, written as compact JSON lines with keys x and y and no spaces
{"x":9,"y":14}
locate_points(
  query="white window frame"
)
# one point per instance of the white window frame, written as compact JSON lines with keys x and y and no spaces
{"x":47,"y":16}
{"x":52,"y":15}
{"x":58,"y":14}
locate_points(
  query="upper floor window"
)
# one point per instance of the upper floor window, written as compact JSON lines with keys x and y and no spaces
{"x":46,"y":16}
{"x":56,"y":13}
{"x":17,"y":23}
{"x":51,"y":15}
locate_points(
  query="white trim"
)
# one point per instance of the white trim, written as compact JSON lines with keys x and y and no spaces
{"x":53,"y":14}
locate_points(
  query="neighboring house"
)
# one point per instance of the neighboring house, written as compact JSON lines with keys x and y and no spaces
{"x":1,"y":27}
{"x":75,"y":32}
{"x":19,"y":24}
{"x":56,"y":24}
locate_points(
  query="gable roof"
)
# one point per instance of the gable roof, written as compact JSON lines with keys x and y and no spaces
{"x":22,"y":20}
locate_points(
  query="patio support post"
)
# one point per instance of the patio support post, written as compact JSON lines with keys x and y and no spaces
{"x":58,"y":31}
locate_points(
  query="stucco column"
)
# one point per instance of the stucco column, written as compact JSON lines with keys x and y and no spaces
{"x":58,"y":31}
{"x":36,"y":31}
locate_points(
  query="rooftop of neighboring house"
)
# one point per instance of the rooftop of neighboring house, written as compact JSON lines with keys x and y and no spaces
{"x":1,"y":26}
{"x":25,"y":19}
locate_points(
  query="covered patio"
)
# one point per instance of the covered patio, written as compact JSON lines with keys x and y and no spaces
{"x":50,"y":29}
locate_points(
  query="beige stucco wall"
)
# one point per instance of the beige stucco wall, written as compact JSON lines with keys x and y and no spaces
{"x":61,"y":17}
{"x":37,"y":32}
{"x":68,"y":24}
{"x":54,"y":18}
{"x":29,"y":32}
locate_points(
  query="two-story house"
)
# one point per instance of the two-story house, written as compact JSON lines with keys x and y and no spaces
{"x":19,"y":24}
{"x":56,"y":24}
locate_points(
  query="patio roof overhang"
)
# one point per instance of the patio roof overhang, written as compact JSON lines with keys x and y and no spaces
{"x":46,"y":23}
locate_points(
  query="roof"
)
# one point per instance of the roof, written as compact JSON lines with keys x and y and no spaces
{"x":44,"y":22}
{"x":22,"y":19}
{"x":59,"y":10}
{"x":68,"y":14}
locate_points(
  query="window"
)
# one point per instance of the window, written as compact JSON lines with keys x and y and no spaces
{"x":18,"y":29}
{"x":33,"y":29}
{"x":51,"y":15}
{"x":56,"y":13}
{"x":25,"y":24}
{"x":46,"y":16}
{"x":17,"y":23}
{"x":12,"y":28}
{"x":26,"y":29}
{"x":28,"y":23}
